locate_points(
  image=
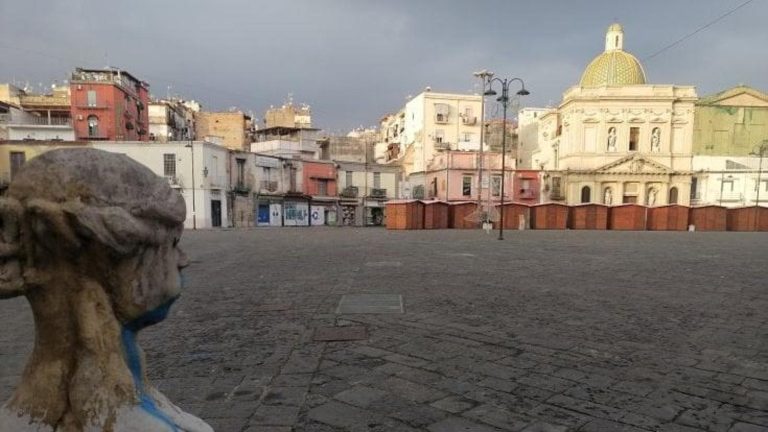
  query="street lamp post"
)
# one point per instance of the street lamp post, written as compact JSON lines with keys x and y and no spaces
{"x":485,"y":77}
{"x":504,"y":99}
{"x":759,"y":151}
{"x":194,"y":210}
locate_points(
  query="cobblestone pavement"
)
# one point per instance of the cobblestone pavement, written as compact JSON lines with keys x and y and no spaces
{"x":545,"y":331}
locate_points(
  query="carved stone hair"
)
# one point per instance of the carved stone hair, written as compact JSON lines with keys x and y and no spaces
{"x":54,"y":204}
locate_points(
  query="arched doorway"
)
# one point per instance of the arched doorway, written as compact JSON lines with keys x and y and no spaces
{"x":673,"y":195}
{"x":586,"y":194}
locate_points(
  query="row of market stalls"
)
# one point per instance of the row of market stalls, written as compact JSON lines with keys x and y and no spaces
{"x":416,"y":214}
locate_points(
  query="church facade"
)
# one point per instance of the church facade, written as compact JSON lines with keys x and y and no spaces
{"x":615,"y":138}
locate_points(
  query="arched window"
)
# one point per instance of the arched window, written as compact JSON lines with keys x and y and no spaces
{"x":93,"y":126}
{"x":586,"y":194}
{"x":673,"y":195}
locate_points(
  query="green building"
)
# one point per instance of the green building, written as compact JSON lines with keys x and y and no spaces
{"x":730,"y":123}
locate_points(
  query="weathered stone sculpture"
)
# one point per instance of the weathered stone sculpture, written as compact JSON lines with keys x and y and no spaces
{"x":90,"y":238}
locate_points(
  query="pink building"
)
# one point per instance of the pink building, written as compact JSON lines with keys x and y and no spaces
{"x":453,"y":176}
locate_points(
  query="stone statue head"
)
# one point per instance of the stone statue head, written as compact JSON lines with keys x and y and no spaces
{"x":90,"y":238}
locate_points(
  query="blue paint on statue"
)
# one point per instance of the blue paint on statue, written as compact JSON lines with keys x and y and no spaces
{"x":133,"y":359}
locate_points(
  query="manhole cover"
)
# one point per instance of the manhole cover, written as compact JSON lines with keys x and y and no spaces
{"x":370,"y":304}
{"x":272,"y":307}
{"x":347,"y":333}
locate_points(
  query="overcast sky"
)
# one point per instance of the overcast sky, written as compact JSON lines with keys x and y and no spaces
{"x":355,"y":60}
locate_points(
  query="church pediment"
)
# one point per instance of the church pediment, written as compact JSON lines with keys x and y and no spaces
{"x":633,"y":164}
{"x":737,"y":96}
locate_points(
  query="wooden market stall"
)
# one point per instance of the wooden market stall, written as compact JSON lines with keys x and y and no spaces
{"x":549,"y":216}
{"x":627,"y":217}
{"x":589,"y":217}
{"x":405,"y":215}
{"x":708,"y":218}
{"x":671,"y":217}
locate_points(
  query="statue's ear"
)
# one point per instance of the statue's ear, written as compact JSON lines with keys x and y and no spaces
{"x":11,"y":281}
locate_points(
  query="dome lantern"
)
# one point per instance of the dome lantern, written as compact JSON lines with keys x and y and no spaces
{"x":614,"y":38}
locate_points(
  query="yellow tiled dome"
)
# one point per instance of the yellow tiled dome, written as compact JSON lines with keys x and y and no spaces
{"x":613,"y":68}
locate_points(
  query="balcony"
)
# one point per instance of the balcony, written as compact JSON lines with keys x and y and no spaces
{"x":44,"y":101}
{"x":378,"y":193}
{"x":442,"y":145}
{"x":526,"y":194}
{"x":173,"y":181}
{"x":241,"y":188}
{"x":41,"y":121}
{"x":217,"y":182}
{"x":469,"y":120}
{"x":349,"y":192}
{"x":731,"y":197}
{"x":556,"y":194}
{"x":268,"y":185}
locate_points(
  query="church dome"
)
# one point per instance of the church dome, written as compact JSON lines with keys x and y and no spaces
{"x":614,"y":67}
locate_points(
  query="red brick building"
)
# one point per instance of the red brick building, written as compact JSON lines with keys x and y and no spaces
{"x":109,"y":104}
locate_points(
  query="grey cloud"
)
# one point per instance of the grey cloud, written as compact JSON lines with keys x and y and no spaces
{"x":354,"y":61}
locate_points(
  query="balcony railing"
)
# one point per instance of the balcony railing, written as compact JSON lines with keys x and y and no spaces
{"x":349,"y":192}
{"x":378,"y":193}
{"x":217,"y":182}
{"x":556,"y":194}
{"x":268,"y":185}
{"x":442,"y":145}
{"x":241,"y":188}
{"x":40,"y":101}
{"x":42,"y":121}
{"x":5,"y":118}
{"x":527,"y":194}
{"x":731,"y":197}
{"x":173,"y":181}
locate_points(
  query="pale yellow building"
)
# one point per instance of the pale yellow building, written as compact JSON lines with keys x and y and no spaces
{"x":13,"y":154}
{"x":232,"y":130}
{"x":430,"y":123}
{"x":289,"y":116}
{"x":615,"y":138}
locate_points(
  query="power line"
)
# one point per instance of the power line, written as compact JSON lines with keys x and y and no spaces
{"x":700,"y":29}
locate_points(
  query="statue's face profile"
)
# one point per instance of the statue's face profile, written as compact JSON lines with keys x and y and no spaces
{"x":148,"y":280}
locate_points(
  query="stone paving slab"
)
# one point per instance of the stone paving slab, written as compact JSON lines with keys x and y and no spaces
{"x":346,"y":333}
{"x":370,"y":304}
{"x":545,"y":331}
